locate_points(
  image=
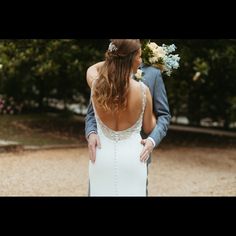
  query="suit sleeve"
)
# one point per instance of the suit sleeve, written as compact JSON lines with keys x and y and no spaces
{"x":90,"y":122}
{"x":161,"y":109}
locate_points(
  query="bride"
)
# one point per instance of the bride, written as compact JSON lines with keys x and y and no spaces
{"x":122,"y":107}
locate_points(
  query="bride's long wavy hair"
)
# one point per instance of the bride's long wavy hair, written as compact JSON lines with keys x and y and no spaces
{"x":111,"y":88}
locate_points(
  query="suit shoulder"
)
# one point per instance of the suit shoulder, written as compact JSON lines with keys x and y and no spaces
{"x":153,"y":72}
{"x":151,"y":69}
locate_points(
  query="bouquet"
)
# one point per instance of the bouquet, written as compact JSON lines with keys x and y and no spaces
{"x":160,"y":57}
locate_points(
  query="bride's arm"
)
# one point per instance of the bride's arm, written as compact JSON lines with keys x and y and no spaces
{"x":149,"y":119}
{"x":92,"y":72}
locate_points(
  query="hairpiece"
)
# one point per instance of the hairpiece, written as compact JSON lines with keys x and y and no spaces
{"x":112,"y":47}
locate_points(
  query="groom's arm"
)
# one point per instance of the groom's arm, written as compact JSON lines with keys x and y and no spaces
{"x":91,"y":133}
{"x":90,"y":122}
{"x":161,"y":109}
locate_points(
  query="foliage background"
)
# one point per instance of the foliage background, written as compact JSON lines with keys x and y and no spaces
{"x":35,"y":72}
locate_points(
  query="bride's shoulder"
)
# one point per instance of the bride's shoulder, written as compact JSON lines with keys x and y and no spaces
{"x":143,"y":85}
{"x":139,"y":84}
{"x":136,"y":84}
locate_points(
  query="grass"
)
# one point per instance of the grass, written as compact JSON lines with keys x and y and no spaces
{"x":61,"y":128}
{"x":42,"y":129}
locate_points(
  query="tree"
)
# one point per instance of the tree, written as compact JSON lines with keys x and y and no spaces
{"x":36,"y":70}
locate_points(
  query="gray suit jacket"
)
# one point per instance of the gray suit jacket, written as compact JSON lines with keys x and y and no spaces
{"x":153,"y":79}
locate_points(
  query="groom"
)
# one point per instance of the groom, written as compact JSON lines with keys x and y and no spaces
{"x":153,"y":79}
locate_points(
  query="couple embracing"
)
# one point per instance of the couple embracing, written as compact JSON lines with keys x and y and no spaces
{"x":126,"y":120}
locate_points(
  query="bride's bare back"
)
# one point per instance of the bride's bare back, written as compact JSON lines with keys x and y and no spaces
{"x":123,"y":120}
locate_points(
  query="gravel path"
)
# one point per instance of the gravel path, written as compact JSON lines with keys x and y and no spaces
{"x":173,"y":172}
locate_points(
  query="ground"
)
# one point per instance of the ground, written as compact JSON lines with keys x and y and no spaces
{"x":174,"y":171}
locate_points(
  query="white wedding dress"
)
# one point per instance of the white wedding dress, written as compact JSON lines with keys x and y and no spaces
{"x":118,"y":170}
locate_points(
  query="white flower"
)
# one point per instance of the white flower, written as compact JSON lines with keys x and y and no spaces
{"x":152,"y":46}
{"x":153,"y":60}
{"x":139,"y":74}
{"x":160,"y":52}
{"x":0,"y":66}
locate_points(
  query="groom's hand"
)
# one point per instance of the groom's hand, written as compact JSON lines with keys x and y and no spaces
{"x":93,"y":142}
{"x":147,"y":149}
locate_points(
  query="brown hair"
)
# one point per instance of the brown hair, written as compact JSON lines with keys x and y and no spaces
{"x":112,"y":86}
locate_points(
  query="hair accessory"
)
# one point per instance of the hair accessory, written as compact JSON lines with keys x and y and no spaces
{"x":112,"y":47}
